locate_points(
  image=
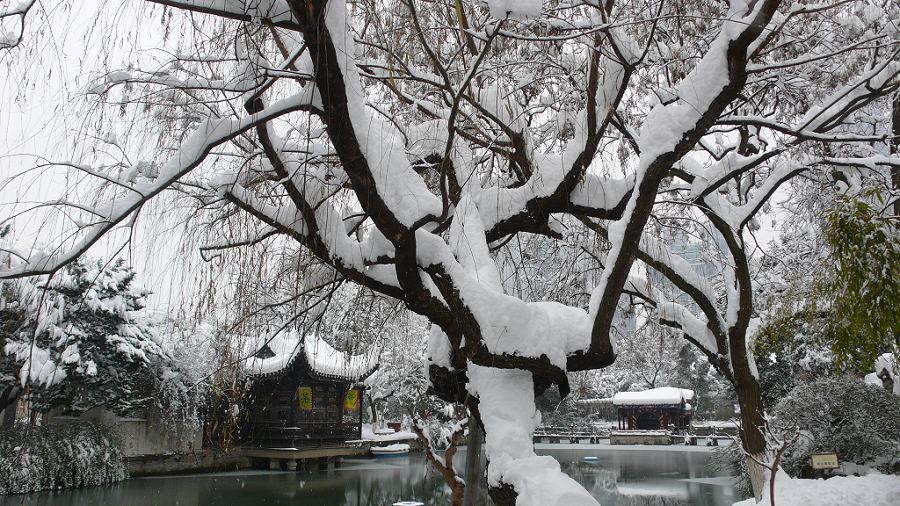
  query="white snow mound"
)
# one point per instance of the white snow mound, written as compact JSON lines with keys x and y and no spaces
{"x":869,"y":490}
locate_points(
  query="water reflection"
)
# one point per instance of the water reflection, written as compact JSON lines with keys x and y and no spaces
{"x":616,"y":478}
{"x":647,"y":477}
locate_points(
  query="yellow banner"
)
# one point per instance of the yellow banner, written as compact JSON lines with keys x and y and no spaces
{"x":305,"y":398}
{"x":351,"y":400}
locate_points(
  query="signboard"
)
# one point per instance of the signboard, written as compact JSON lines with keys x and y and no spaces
{"x":351,"y":400}
{"x":305,"y":398}
{"x":824,"y":461}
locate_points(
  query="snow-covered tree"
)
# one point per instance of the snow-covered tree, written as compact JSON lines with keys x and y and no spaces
{"x":403,"y":143}
{"x":400,"y":381}
{"x":84,"y":341}
{"x":858,"y":421}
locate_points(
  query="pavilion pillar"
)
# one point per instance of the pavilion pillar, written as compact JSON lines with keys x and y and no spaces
{"x":291,"y":465}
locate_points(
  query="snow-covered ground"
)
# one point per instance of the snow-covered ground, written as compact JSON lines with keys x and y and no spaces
{"x":869,"y":490}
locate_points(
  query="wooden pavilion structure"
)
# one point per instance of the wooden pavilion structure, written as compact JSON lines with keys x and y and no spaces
{"x":655,"y":409}
{"x":303,"y":393}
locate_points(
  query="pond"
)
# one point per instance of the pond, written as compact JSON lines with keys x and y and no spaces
{"x":620,"y":476}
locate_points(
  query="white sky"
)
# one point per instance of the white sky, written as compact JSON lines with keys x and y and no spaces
{"x":41,"y":103}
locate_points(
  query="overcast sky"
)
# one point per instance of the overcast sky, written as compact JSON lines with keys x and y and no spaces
{"x":42,"y":104}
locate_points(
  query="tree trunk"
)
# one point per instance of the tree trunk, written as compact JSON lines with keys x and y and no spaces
{"x":9,"y":412}
{"x":753,"y":440}
{"x":374,"y":414}
{"x":445,"y":465}
{"x":8,"y":402}
{"x":474,"y":469}
{"x":895,"y":149}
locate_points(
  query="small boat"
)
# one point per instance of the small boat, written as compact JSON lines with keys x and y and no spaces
{"x":590,"y":459}
{"x":409,"y":503}
{"x":395,"y":450}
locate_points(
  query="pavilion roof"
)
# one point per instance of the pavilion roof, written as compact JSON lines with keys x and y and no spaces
{"x":278,"y":353}
{"x":663,"y":396}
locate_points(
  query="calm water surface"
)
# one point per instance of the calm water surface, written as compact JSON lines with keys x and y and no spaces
{"x":621,"y":476}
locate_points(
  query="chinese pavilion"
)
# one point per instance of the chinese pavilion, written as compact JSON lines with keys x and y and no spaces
{"x":303,"y":392}
{"x":654,"y":409}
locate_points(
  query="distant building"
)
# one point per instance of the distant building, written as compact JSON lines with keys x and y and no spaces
{"x":302,"y":393}
{"x":655,"y":409}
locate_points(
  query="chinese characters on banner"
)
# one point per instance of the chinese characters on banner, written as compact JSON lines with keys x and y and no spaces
{"x":351,"y":400}
{"x":305,"y":398}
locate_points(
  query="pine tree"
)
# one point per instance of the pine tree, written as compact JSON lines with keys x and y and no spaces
{"x":86,"y":341}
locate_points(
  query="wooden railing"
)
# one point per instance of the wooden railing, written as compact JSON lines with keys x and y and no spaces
{"x":305,"y":434}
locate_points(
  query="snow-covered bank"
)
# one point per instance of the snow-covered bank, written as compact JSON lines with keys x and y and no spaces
{"x":869,"y":490}
{"x":604,"y":447}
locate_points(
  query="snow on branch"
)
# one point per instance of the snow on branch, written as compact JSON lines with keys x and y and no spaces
{"x":676,"y":315}
{"x":668,"y":133}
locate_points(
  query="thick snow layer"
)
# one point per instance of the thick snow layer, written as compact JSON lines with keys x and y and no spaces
{"x":439,"y":348}
{"x":693,"y":326}
{"x":367,"y":434}
{"x":396,"y":447}
{"x":38,"y":365}
{"x":869,"y":490}
{"x":501,"y":9}
{"x":886,"y":364}
{"x":508,"y":325}
{"x":328,"y":361}
{"x":506,"y":402}
{"x":667,"y":124}
{"x":321,"y":357}
{"x":285,"y":347}
{"x":382,"y":144}
{"x":468,"y":244}
{"x":654,"y":396}
{"x":497,"y":204}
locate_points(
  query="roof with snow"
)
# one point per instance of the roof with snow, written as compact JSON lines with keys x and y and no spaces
{"x":594,"y":401}
{"x":662,"y":396}
{"x":280,"y":352}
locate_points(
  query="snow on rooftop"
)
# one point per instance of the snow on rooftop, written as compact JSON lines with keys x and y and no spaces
{"x":328,"y":361}
{"x":321,"y":357}
{"x":594,"y":401}
{"x":654,"y":396}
